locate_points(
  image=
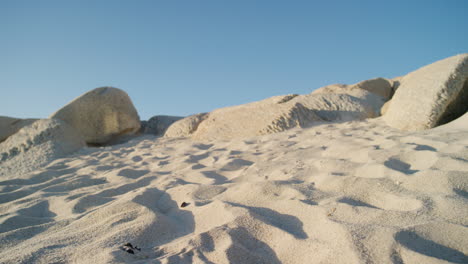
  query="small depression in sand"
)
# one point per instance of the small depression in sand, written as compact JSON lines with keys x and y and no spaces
{"x":429,"y":243}
{"x":388,"y":201}
{"x":412,"y":162}
{"x":236,"y":164}
{"x":206,"y":192}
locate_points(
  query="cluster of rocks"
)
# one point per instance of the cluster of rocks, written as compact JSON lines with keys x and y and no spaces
{"x":279,"y":113}
{"x":100,"y":116}
{"x":428,"y":97}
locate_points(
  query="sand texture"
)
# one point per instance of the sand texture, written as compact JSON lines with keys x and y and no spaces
{"x":315,"y":178}
{"x":11,"y":125}
{"x":36,"y":145}
{"x":354,"y":192}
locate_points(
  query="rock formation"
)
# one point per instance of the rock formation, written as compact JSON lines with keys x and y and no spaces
{"x":101,"y":115}
{"x":430,"y":96}
{"x":279,"y":113}
{"x":378,"y":86}
{"x":186,"y":126}
{"x":157,"y":125}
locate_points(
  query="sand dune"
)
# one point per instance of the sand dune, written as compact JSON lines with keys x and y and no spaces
{"x":289,"y":179}
{"x":356,"y":192}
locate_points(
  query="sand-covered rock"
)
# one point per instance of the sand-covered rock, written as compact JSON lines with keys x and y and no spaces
{"x":271,"y":115}
{"x":38,"y":144}
{"x":157,"y":125}
{"x":430,"y":96}
{"x":379,"y":86}
{"x":356,"y":105}
{"x":11,"y":125}
{"x":101,"y":115}
{"x":336,"y":103}
{"x":186,"y":126}
{"x":384,"y":108}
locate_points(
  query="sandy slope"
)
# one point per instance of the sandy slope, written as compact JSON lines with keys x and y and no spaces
{"x":356,"y":192}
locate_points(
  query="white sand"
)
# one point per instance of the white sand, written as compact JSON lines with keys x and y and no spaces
{"x":356,"y":192}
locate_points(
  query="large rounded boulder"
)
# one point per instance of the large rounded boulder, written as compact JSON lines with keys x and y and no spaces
{"x":101,"y":115}
{"x":431,"y":96}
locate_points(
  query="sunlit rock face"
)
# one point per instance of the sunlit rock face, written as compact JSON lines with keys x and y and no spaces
{"x":431,"y":96}
{"x":101,"y":115}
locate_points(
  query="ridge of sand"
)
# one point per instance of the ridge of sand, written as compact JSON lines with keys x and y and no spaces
{"x":355,"y":192}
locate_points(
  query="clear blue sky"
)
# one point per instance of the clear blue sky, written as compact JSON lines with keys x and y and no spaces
{"x":184,"y":57}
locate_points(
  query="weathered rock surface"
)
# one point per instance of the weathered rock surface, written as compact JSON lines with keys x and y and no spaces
{"x":384,"y":108}
{"x":10,"y":125}
{"x":430,"y":96}
{"x":101,"y":115}
{"x":186,"y":126}
{"x":279,"y":113}
{"x":263,"y":117}
{"x":378,"y":86}
{"x":157,"y":125}
{"x":38,"y":144}
{"x":357,"y":104}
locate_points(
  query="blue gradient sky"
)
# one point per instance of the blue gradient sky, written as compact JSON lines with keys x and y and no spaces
{"x":184,"y":57}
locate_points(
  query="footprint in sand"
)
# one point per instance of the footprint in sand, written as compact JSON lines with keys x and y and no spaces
{"x":36,"y":214}
{"x":196,"y":158}
{"x":81,"y":182}
{"x":203,"y":146}
{"x":287,"y":223}
{"x":385,"y":201}
{"x":355,"y":202}
{"x":449,"y":162}
{"x":132,"y":174}
{"x":89,"y":202}
{"x":337,"y":166}
{"x":218,"y":178}
{"x":416,"y":243}
{"x":371,"y":170}
{"x":419,"y":147}
{"x":235,"y":152}
{"x":137,"y":158}
{"x":412,"y":162}
{"x":207,"y":192}
{"x":236,"y":164}
{"x":198,"y":166}
{"x":398,"y":165}
{"x":111,"y":166}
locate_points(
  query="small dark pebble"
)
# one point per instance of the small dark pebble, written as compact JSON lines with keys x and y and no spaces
{"x":128,"y":247}
{"x":184,"y":204}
